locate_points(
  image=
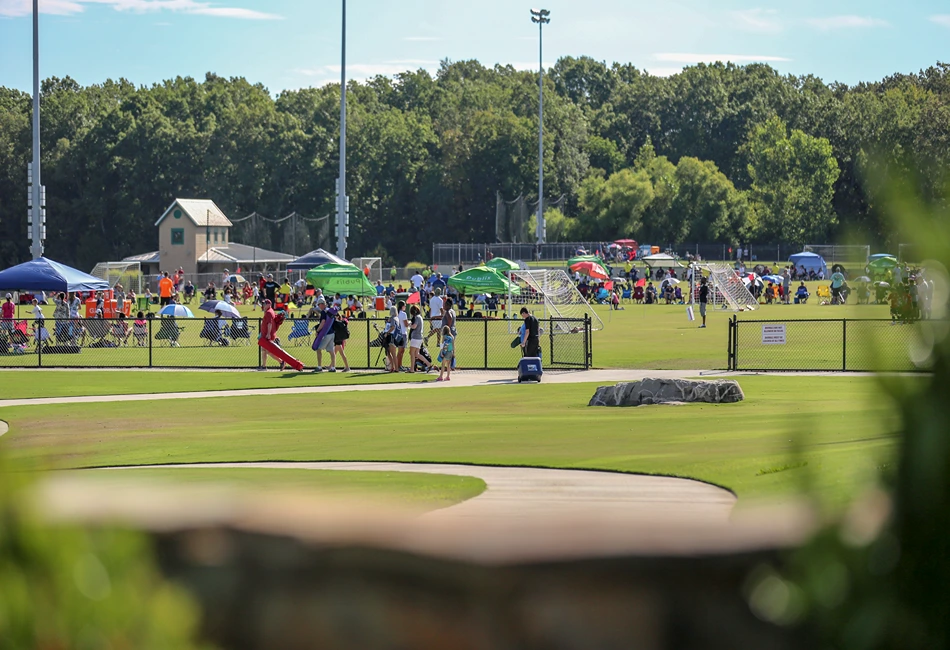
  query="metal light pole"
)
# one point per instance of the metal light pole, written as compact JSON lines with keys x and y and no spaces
{"x":540,"y":16}
{"x":37,"y":193}
{"x":342,"y":217}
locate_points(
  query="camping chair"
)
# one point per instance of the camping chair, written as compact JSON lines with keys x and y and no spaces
{"x":239,"y":331}
{"x":120,"y":332}
{"x":823,"y":292}
{"x":626,"y":295}
{"x":169,"y":332}
{"x":300,"y":331}
{"x":211,"y":332}
{"x":98,"y":331}
{"x":638,"y":294}
{"x":140,"y":332}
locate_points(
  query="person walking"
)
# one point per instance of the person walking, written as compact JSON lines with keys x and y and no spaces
{"x":415,"y":340}
{"x":531,"y":334}
{"x":325,"y":340}
{"x":268,"y":332}
{"x":7,"y":314}
{"x":786,"y":284}
{"x":703,"y":300}
{"x":404,"y":329}
{"x":340,"y":333}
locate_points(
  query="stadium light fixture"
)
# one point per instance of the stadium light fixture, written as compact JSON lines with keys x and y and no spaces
{"x":541,"y":17}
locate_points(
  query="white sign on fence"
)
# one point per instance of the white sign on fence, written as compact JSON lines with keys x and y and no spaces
{"x":773,"y":334}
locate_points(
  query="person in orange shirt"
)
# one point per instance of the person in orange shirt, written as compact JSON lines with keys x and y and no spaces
{"x":165,"y":286}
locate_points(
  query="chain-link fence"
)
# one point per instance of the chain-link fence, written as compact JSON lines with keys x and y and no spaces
{"x":848,"y":345}
{"x":481,"y":343}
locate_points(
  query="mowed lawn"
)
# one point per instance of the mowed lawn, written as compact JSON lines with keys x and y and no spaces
{"x":833,"y":431}
{"x":412,"y":491}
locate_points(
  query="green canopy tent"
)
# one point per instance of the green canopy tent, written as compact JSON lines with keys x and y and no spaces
{"x":481,"y":279}
{"x":502,"y":264}
{"x":587,"y":258}
{"x":882,"y":267}
{"x":345,"y":279}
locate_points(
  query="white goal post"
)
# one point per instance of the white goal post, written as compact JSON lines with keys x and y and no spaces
{"x":129,"y":274}
{"x":726,"y":289}
{"x":374,"y":264}
{"x":553,"y":291}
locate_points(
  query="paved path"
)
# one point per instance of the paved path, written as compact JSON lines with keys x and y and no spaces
{"x":462,"y":378}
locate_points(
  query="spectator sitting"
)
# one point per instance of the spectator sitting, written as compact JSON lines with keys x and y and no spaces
{"x":650,"y":294}
{"x":140,"y":329}
{"x":801,"y":296}
{"x":769,"y":294}
{"x":678,"y":294}
{"x":120,"y":330}
{"x":210,"y":292}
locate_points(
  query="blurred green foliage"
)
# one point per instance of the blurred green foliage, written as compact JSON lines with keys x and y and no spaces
{"x":65,"y":587}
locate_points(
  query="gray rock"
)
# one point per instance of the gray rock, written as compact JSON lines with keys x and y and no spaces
{"x":667,"y":391}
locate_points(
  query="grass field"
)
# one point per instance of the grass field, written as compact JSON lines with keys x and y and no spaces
{"x":26,"y":384}
{"x":412,"y":491}
{"x":832,"y":431}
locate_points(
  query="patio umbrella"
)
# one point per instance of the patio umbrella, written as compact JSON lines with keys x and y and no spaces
{"x":863,"y":278}
{"x":481,"y":279}
{"x":236,"y":278}
{"x":178,"y":311}
{"x":340,"y":278}
{"x":669,"y":281}
{"x":629,"y":243}
{"x":227,"y":309}
{"x":502,"y":264}
{"x":591,"y":269}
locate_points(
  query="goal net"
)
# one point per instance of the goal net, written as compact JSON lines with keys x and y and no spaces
{"x":554,"y":292}
{"x":128,"y":274}
{"x":371,"y":266}
{"x":727,"y":290}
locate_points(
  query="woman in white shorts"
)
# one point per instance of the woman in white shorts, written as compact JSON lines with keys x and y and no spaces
{"x":416,"y":323}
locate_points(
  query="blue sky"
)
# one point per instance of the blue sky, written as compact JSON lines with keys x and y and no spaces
{"x":287,"y":44}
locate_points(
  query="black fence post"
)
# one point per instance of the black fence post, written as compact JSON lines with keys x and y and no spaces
{"x":551,"y":340}
{"x":260,"y":350}
{"x":588,"y":343}
{"x":735,"y":342}
{"x":485,"y":322}
{"x":369,"y":356}
{"x":732,"y":326}
{"x":39,"y":341}
{"x":150,"y":321}
{"x":844,"y":344}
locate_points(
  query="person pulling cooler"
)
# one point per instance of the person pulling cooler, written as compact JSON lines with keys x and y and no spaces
{"x":530,"y":336}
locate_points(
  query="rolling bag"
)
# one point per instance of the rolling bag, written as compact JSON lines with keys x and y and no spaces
{"x":529,"y":369}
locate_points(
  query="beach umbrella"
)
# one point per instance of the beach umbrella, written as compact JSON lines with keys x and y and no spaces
{"x":881,"y":284}
{"x":629,"y":243}
{"x":227,"y":309}
{"x":863,"y":278}
{"x":346,"y":279}
{"x":178,"y":311}
{"x":236,"y":278}
{"x":591,"y":269}
{"x":774,"y":279}
{"x":669,"y":281}
{"x":502,"y":264}
{"x":481,"y":279}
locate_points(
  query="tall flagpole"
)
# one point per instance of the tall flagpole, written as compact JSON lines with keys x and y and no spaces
{"x":37,"y":191}
{"x":540,"y":16}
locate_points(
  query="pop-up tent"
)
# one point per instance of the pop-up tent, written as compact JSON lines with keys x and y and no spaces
{"x":44,"y":274}
{"x":481,"y":279}
{"x":502,"y":264}
{"x":318,"y":257}
{"x":660,"y":259}
{"x":597,"y":259}
{"x":811,"y":262}
{"x":345,"y":279}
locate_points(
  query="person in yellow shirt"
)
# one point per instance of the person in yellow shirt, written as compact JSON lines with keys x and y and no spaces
{"x":165,"y":286}
{"x":285,"y":293}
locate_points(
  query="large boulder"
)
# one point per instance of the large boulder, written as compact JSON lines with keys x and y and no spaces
{"x":668,"y":391}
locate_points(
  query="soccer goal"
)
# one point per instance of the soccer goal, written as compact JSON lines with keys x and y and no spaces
{"x":727,"y":290}
{"x":129,"y":274}
{"x":371,"y":266}
{"x":554,"y":292}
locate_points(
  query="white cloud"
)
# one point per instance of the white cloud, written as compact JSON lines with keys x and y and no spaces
{"x":362,"y":71}
{"x":663,"y":72}
{"x":757,"y":20}
{"x":196,"y":7}
{"x":941,"y":19}
{"x":846,"y":22}
{"x":686,"y":58}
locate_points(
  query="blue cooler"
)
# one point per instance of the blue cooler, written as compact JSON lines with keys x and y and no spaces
{"x":529,"y":369}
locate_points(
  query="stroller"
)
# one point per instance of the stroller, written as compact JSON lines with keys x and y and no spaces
{"x":424,"y":353}
{"x":16,"y":339}
{"x":381,"y":342}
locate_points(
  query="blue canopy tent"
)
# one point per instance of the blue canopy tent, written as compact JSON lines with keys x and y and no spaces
{"x":313,"y":259}
{"x":811,"y":262}
{"x":46,"y":275}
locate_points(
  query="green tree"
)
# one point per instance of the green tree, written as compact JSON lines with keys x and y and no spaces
{"x":793,"y":176}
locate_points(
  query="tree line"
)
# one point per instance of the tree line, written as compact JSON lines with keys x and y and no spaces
{"x":716,"y":154}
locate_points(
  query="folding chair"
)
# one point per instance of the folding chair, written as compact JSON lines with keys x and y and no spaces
{"x":300,"y":332}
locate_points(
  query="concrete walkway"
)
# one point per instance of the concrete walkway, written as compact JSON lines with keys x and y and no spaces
{"x":461,"y":378}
